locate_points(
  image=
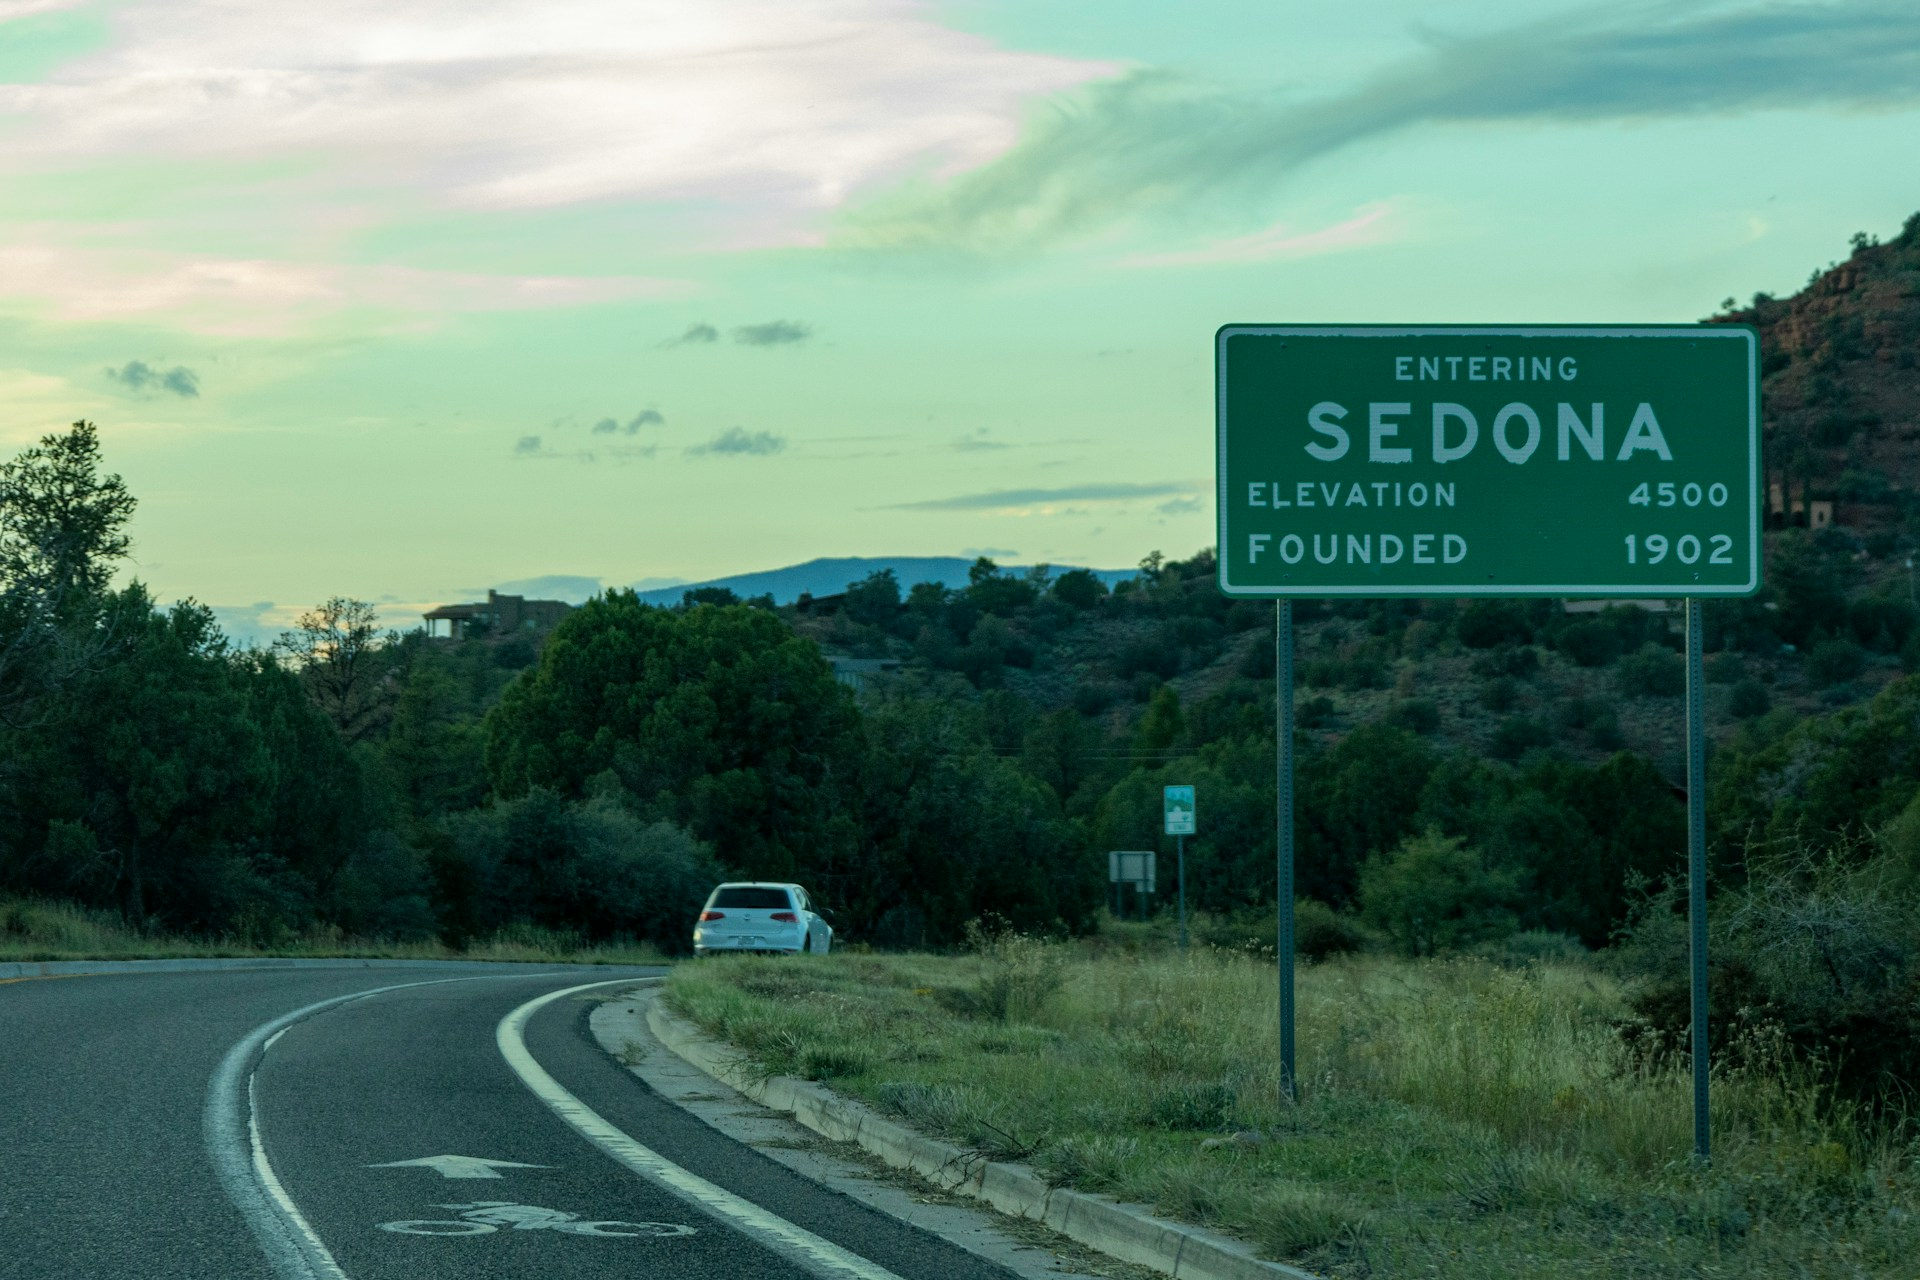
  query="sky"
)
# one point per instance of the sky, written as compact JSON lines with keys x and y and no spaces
{"x":404,"y":299}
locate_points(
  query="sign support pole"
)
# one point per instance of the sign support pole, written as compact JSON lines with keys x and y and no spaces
{"x":1283,"y":793}
{"x":1180,"y":843}
{"x":1697,"y":872}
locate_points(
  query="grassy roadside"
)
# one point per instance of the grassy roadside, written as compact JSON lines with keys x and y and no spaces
{"x":39,"y":931}
{"x":1458,"y":1118}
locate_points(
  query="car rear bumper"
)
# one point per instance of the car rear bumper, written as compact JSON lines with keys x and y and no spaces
{"x":744,"y":948}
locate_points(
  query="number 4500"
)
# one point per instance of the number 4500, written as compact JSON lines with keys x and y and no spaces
{"x":1686,"y":548}
{"x":1665,"y":494}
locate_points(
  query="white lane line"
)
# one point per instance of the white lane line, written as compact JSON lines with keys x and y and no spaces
{"x":819,"y":1256}
{"x":240,"y":1160}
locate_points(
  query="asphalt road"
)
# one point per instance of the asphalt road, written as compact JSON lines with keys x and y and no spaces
{"x":152,"y":1125}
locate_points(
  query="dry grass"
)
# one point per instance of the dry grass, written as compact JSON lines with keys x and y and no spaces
{"x":1456,"y":1119}
{"x":39,"y":931}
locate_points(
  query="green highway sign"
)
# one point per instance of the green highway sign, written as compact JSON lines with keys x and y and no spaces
{"x":1576,"y":460}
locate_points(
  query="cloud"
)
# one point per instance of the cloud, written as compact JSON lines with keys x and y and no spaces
{"x":991,"y":553}
{"x":976,"y":441}
{"x":1179,"y":506}
{"x":1366,"y":227}
{"x":695,"y":335}
{"x":1149,"y":141}
{"x":143,"y":379}
{"x":774,"y":333}
{"x":644,"y":418}
{"x":737,"y":440}
{"x":528,"y":447}
{"x":1015,"y":499}
{"x":252,"y":297}
{"x":10,"y":10}
{"x":762,"y":105}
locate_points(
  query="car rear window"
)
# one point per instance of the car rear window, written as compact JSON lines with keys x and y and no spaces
{"x":750,"y":899}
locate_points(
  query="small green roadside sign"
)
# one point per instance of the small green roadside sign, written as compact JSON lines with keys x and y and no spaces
{"x":1176,"y":808}
{"x":1488,"y":461}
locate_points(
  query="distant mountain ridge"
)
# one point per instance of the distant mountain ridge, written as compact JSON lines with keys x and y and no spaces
{"x":829,"y":576}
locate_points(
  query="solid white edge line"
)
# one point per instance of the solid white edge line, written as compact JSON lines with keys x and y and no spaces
{"x":796,"y":1244}
{"x":239,"y":1158}
{"x":318,"y":1258}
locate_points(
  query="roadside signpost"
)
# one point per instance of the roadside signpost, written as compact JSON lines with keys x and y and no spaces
{"x":1402,"y":460}
{"x":1134,"y":867}
{"x":1176,"y":808}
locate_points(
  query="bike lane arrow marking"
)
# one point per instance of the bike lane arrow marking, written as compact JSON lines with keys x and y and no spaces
{"x":459,"y":1166}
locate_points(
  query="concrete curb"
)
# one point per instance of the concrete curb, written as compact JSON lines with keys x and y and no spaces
{"x":1124,"y":1231}
{"x":68,"y":968}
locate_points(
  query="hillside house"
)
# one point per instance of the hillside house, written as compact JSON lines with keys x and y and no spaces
{"x":500,"y":615}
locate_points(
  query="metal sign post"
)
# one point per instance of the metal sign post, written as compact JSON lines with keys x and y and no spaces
{"x":1283,"y":807}
{"x":1617,"y":462}
{"x":1176,"y":809}
{"x":1697,"y":875}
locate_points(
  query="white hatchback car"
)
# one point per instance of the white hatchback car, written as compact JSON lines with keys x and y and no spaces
{"x":760,"y":916}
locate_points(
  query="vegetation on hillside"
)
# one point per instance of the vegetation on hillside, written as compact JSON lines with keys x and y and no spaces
{"x":1467,"y":770}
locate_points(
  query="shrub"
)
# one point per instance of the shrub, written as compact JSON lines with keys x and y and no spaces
{"x":1193,"y":1106}
{"x":1507,"y":660}
{"x":1816,"y":950}
{"x":1881,"y":623}
{"x":1313,"y":713}
{"x":1749,"y":700}
{"x":1516,"y":736}
{"x":1157,"y":654}
{"x":1604,"y":733}
{"x":1256,"y":660}
{"x":1486,"y":623}
{"x":1091,"y":697}
{"x":1019,"y":973}
{"x":1534,"y":946}
{"x":1835,"y":662}
{"x":1319,"y":931}
{"x":1653,"y":671}
{"x":1501,"y":695}
{"x":1581,"y":713}
{"x":1590,"y":642}
{"x":1725,"y":668}
{"x":1416,"y":715}
{"x":1434,"y":894}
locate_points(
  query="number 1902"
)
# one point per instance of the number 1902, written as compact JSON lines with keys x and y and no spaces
{"x":1686,"y":548}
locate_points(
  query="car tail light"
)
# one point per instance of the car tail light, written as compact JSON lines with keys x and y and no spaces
{"x":785,"y":917}
{"x":712,"y":915}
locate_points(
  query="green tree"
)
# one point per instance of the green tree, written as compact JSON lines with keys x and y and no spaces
{"x":1434,"y":894}
{"x":1058,"y":751}
{"x":717,"y":718}
{"x":156,"y":756}
{"x":62,"y":530}
{"x":338,"y":649}
{"x":434,"y":750}
{"x":1160,"y":727}
{"x":591,"y":867}
{"x":1080,"y":588}
{"x":874,"y":601}
{"x":953,"y":832}
{"x":1358,"y":798}
{"x":991,"y":591}
{"x":1824,"y":781}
